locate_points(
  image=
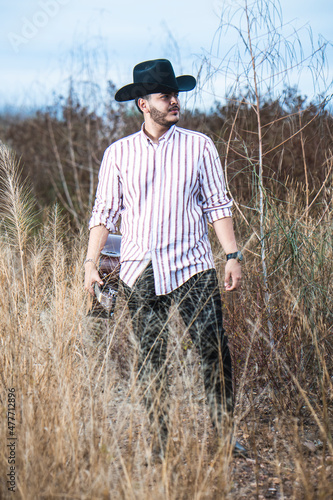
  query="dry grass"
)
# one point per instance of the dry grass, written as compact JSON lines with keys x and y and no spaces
{"x":81,"y":428}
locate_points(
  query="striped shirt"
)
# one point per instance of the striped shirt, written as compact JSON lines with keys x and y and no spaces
{"x":165,"y":194}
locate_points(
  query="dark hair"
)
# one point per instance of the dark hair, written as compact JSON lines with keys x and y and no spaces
{"x":141,"y":97}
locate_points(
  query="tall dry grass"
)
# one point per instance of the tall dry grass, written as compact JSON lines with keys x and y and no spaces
{"x":81,"y":428}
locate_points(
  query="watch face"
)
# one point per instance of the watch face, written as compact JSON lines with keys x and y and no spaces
{"x":239,"y":256}
{"x":236,"y":255}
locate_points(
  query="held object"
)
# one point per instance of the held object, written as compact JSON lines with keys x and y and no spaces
{"x":109,"y":266}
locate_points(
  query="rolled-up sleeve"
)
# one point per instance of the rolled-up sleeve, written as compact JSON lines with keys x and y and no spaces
{"x":215,"y":200}
{"x":108,"y":200}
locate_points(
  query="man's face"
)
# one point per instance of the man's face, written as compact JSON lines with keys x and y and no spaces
{"x":164,"y":108}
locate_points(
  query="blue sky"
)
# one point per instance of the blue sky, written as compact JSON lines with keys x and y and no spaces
{"x":45,"y":42}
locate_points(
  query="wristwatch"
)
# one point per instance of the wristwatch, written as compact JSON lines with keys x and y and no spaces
{"x":236,"y":255}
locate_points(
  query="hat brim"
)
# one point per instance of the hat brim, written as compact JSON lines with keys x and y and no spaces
{"x":135,"y":90}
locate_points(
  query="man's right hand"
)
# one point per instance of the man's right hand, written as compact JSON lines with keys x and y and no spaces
{"x":91,"y":275}
{"x":97,"y":239}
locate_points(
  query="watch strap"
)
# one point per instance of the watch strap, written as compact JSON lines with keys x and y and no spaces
{"x":236,"y":255}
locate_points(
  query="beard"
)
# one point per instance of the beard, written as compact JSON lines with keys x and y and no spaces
{"x":162,"y":118}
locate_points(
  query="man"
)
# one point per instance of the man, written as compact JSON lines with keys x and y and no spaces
{"x":167,"y":183}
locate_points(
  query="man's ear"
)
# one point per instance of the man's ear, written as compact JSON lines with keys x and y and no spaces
{"x":143,"y":105}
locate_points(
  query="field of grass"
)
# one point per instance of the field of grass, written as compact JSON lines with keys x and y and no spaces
{"x":72,"y":422}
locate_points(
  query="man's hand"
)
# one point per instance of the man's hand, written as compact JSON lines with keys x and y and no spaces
{"x":233,"y":275}
{"x":91,"y":275}
{"x":97,"y":239}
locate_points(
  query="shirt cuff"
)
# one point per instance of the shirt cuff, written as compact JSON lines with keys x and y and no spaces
{"x":218,"y":213}
{"x":97,"y":221}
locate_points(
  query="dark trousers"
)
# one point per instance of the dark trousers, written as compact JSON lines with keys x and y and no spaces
{"x":199,"y":303}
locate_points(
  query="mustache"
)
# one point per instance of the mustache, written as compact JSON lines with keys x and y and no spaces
{"x":174,"y":108}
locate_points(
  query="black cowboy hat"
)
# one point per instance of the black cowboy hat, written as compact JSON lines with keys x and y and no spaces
{"x":151,"y":77}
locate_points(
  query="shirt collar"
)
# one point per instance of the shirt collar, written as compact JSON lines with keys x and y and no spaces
{"x":165,"y":137}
